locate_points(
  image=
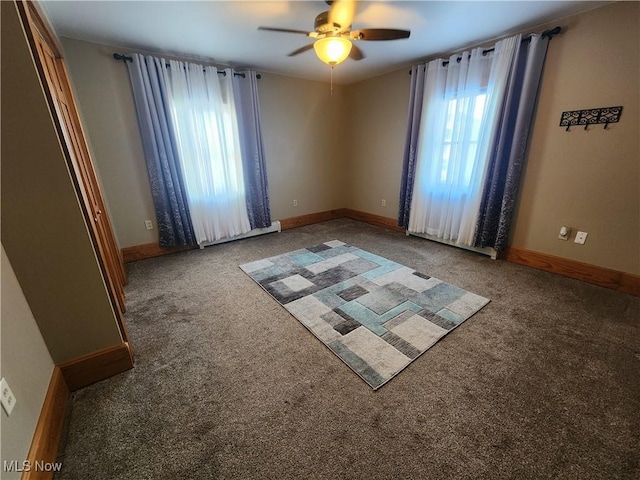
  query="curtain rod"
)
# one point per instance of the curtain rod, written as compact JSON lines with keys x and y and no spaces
{"x":126,"y":59}
{"x":547,"y":33}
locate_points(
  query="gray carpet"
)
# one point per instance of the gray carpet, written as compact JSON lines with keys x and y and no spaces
{"x":376,"y":315}
{"x":543,"y":383}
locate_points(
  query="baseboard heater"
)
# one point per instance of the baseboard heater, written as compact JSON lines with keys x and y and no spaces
{"x":491,"y":252}
{"x":275,"y":227}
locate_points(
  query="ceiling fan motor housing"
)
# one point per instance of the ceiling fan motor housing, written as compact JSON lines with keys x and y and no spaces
{"x":322,"y":24}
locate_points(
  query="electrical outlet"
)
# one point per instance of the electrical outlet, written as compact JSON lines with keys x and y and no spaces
{"x":148,"y":224}
{"x":581,"y":237}
{"x":7,"y":397}
{"x":384,"y":202}
{"x":295,"y":202}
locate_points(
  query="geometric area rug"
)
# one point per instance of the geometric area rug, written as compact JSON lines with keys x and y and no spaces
{"x":376,"y":315}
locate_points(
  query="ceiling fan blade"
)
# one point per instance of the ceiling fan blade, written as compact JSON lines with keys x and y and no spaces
{"x":355,"y":53}
{"x":285,"y":30}
{"x":342,"y":13}
{"x":379,"y":34}
{"x":301,"y":50}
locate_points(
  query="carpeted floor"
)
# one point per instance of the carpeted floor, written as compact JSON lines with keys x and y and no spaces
{"x":376,"y":315}
{"x":543,"y":383}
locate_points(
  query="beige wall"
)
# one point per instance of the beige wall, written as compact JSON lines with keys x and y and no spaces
{"x":304,"y":140}
{"x":43,"y":229}
{"x":586,"y":180}
{"x":105,"y":101}
{"x":377,"y":121}
{"x":26,"y":365}
{"x":346,"y":150}
{"x":589,"y":180}
{"x":303,"y":128}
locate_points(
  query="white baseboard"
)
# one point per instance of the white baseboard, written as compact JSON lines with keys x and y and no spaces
{"x":484,"y":250}
{"x":275,"y":227}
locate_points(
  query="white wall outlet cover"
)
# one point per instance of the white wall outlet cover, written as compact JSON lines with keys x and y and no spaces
{"x":7,"y":397}
{"x":581,"y":237}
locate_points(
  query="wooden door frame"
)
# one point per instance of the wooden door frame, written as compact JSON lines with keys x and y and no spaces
{"x":34,"y":23}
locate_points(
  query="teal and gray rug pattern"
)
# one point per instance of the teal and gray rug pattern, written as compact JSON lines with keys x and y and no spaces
{"x":376,"y":315}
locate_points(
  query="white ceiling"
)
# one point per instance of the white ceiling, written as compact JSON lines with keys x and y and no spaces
{"x":226,"y":31}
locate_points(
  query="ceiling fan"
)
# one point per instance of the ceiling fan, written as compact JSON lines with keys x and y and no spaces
{"x":333,"y":34}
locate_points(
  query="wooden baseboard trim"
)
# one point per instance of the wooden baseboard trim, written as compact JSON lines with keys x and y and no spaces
{"x":365,"y":217}
{"x":46,"y":439}
{"x":149,"y":250}
{"x":604,"y":277}
{"x":372,"y":219}
{"x":93,"y":367}
{"x":310,"y":219}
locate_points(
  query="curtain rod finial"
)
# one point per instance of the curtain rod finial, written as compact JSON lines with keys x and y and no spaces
{"x":552,"y":32}
{"x":124,"y":58}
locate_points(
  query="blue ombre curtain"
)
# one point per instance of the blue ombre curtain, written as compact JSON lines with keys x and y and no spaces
{"x":148,"y":83}
{"x":505,"y":166}
{"x":416,"y":96}
{"x":254,"y":169}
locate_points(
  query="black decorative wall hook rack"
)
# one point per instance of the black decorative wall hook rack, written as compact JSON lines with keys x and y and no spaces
{"x":591,"y":116}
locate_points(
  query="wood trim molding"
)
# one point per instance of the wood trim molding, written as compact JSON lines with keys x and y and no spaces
{"x":149,"y":250}
{"x":48,"y":433}
{"x":311,"y":218}
{"x":93,"y":367}
{"x":373,"y":219}
{"x":66,"y":378}
{"x":621,"y":281}
{"x":604,"y":277}
{"x":365,"y":217}
{"x":40,"y":21}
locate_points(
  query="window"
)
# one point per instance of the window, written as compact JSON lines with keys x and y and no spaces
{"x":456,"y":143}
{"x":207,"y":135}
{"x":458,"y":117}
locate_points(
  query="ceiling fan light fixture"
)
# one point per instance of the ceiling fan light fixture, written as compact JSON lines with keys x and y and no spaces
{"x":332,"y":50}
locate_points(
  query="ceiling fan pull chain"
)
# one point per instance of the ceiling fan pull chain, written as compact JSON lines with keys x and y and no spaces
{"x":331,"y":80}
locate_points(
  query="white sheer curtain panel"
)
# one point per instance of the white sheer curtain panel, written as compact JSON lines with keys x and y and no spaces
{"x":459,"y":120}
{"x":204,"y":114}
